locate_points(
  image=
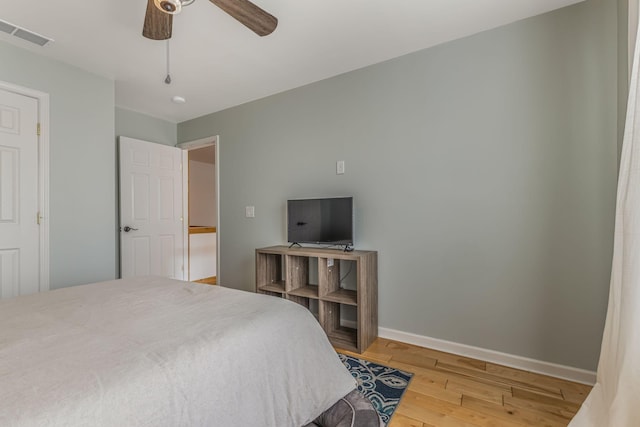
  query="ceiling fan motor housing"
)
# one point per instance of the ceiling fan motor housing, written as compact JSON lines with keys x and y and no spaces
{"x":169,"y":6}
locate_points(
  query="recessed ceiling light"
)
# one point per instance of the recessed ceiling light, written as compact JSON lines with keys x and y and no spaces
{"x":178,"y":100}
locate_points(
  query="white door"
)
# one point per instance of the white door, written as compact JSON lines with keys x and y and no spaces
{"x":19,"y":233}
{"x":151,"y":232}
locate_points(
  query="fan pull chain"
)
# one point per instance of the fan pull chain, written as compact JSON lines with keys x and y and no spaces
{"x":167,"y":80}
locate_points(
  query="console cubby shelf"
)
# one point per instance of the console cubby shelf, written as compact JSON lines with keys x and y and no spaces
{"x":285,"y":272}
{"x":309,"y":291}
{"x":342,"y":296}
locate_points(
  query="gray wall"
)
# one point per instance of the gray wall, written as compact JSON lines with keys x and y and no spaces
{"x":82,"y":155}
{"x":141,"y":126}
{"x":483,"y":171}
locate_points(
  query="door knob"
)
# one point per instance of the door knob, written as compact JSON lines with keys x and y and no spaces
{"x":128,"y":229}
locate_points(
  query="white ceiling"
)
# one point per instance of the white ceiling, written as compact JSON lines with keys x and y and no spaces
{"x":217,"y":63}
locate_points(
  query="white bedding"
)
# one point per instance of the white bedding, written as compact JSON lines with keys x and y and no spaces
{"x":160,"y":352}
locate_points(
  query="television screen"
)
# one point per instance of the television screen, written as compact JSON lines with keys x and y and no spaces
{"x":320,"y":221}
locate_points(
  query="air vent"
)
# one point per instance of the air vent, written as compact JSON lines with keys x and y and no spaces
{"x":5,"y":27}
{"x":23,"y":34}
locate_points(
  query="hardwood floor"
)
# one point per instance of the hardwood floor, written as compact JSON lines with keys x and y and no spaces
{"x":208,"y":280}
{"x":448,"y":390}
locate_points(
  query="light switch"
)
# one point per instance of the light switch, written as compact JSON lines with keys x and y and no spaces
{"x":250,"y":211}
{"x":340,"y":167}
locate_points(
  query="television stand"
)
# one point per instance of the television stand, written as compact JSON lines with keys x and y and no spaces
{"x":295,"y":244}
{"x":285,"y":272}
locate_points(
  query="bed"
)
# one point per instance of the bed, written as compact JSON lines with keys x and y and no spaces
{"x":159,"y":352}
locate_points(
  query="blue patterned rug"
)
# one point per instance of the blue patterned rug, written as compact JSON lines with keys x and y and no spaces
{"x":384,"y":386}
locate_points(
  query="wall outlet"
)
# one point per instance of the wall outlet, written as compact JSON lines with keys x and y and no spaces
{"x":340,"y":167}
{"x":250,"y":211}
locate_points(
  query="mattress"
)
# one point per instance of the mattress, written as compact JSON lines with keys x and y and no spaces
{"x":159,"y":352}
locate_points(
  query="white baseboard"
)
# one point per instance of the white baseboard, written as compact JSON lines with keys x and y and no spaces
{"x":552,"y":369}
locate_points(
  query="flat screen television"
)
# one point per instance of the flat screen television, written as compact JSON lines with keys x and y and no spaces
{"x":320,"y":221}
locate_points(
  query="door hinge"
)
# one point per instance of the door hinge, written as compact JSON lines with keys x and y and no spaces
{"x":180,"y":165}
{"x":38,"y":218}
{"x":38,"y":129}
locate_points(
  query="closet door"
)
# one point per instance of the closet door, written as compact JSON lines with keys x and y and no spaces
{"x":19,"y":214}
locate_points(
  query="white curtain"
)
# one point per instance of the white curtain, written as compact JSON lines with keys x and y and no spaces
{"x":615,"y":399}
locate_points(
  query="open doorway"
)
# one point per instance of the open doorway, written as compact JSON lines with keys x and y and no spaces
{"x":201,"y":205}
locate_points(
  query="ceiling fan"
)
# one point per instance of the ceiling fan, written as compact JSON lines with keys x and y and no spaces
{"x":159,"y":16}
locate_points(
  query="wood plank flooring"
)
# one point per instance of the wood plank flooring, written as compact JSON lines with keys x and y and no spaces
{"x":448,"y":390}
{"x":207,"y":281}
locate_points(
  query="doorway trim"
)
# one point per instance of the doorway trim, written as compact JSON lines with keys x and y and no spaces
{"x":193,"y":145}
{"x":43,"y":174}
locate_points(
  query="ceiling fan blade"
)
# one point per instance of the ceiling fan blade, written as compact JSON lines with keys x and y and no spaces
{"x":248,"y":14}
{"x":157,"y":24}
